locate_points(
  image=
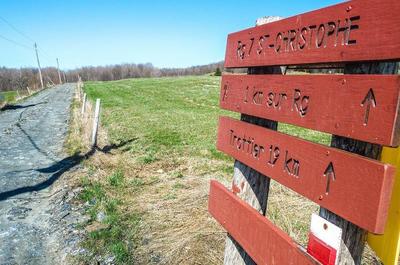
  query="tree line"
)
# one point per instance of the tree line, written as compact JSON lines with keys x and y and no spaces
{"x":20,"y":79}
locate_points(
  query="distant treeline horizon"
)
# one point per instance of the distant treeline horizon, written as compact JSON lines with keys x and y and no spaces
{"x":20,"y":79}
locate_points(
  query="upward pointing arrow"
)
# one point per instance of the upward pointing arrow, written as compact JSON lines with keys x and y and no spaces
{"x":225,"y":92}
{"x":330,"y":174}
{"x":368,"y":101}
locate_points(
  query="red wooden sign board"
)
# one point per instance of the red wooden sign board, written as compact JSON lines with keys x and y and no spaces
{"x":349,"y":185}
{"x":362,"y":107}
{"x":262,"y":240}
{"x":358,"y":30}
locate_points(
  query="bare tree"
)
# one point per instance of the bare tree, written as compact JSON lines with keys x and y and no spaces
{"x":13,"y":79}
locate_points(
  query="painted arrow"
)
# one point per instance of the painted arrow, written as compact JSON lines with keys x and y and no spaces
{"x":330,"y":174}
{"x":225,"y":92}
{"x":368,"y":101}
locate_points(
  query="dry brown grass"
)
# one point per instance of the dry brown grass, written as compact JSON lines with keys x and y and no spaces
{"x":177,"y":228}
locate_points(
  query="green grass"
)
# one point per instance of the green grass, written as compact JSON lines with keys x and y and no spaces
{"x":9,"y":96}
{"x":116,"y":179}
{"x":118,"y":234}
{"x":169,"y":115}
{"x":311,"y":135}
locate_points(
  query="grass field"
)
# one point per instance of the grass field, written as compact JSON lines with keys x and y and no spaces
{"x":153,"y":189}
{"x":8,"y":96}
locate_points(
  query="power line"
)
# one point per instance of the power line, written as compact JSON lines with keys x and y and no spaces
{"x":45,"y":54}
{"x":16,"y":30}
{"x":16,"y":43}
{"x":27,"y":47}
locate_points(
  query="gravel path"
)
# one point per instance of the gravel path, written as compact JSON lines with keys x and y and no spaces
{"x":33,"y":214}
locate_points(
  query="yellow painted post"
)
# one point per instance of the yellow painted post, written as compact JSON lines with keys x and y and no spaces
{"x":387,"y":246}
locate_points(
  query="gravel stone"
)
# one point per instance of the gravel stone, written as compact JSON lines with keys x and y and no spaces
{"x":37,"y":225}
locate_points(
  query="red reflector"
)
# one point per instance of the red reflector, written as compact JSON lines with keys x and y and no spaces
{"x":321,"y":251}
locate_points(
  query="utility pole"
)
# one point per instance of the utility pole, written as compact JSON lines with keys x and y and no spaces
{"x":58,"y":69}
{"x":38,"y":62}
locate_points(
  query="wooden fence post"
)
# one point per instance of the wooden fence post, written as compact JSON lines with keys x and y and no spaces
{"x":77,"y":91}
{"x":250,"y":185}
{"x":95,"y":123}
{"x":353,"y":237}
{"x":83,"y":104}
{"x":81,"y":90}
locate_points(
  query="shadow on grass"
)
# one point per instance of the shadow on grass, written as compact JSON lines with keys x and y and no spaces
{"x":57,"y":169}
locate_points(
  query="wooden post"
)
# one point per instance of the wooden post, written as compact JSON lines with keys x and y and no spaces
{"x":83,"y":104}
{"x":369,"y":44}
{"x":78,"y":91}
{"x":95,"y":123}
{"x":29,"y":91}
{"x":353,"y":237}
{"x":59,"y":74}
{"x":40,"y":69}
{"x":250,"y":185}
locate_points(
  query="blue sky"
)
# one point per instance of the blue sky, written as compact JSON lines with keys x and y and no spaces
{"x":165,"y":33}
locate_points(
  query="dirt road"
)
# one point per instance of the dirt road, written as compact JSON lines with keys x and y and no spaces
{"x":36,"y":220}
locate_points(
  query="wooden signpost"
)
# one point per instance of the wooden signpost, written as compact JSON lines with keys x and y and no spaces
{"x":253,"y":231}
{"x":337,"y":180}
{"x":357,"y":30}
{"x":355,"y":106}
{"x":361,"y":112}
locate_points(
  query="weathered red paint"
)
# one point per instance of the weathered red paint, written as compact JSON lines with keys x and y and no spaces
{"x":362,"y":107}
{"x":235,"y":189}
{"x":357,"y":30}
{"x":354,"y":187}
{"x":262,"y":240}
